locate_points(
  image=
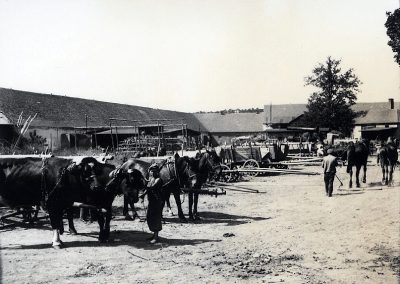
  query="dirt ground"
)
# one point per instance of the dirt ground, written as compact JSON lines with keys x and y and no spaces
{"x":290,"y":232}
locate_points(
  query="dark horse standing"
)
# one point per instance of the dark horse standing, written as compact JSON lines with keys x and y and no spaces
{"x":387,"y":158}
{"x":178,"y":173}
{"x":175,"y":174}
{"x":204,"y":164}
{"x":357,"y":155}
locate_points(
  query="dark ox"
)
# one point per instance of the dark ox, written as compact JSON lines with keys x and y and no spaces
{"x":57,"y":183}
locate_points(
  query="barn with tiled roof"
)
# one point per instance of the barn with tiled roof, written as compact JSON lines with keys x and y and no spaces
{"x":58,"y":118}
{"x":377,"y":118}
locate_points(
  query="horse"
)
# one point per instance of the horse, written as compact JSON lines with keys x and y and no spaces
{"x":357,"y":155}
{"x":129,"y":181}
{"x":204,"y":164}
{"x":387,"y":158}
{"x":178,"y":173}
{"x":175,"y":174}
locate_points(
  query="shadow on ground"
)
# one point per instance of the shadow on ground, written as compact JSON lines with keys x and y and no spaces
{"x":348,"y":192}
{"x":209,"y":217}
{"x":136,"y":239}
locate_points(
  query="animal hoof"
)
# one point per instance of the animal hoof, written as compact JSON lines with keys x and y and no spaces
{"x":154,"y":241}
{"x":58,"y":245}
{"x":183,"y":219}
{"x":73,"y":232}
{"x":191,"y":219}
{"x":128,"y":217}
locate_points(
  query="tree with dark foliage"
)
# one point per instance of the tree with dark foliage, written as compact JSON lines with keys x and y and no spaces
{"x":330,"y":105}
{"x":393,"y":31}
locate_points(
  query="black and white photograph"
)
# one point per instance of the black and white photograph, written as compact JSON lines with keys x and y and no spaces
{"x":199,"y":141}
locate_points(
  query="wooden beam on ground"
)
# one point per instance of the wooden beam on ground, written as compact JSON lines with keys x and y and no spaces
{"x":269,"y":170}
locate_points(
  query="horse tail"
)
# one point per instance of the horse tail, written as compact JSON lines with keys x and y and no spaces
{"x":351,"y":151}
{"x":383,"y":156}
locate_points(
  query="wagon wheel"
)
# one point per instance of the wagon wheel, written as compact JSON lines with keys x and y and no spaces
{"x":226,"y":177}
{"x":236,"y":175}
{"x":250,"y":165}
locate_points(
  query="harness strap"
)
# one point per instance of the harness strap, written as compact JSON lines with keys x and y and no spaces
{"x":45,"y":192}
{"x":43,"y":186}
{"x":176,"y":172}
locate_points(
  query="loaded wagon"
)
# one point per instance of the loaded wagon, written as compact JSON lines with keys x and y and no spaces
{"x":250,"y":160}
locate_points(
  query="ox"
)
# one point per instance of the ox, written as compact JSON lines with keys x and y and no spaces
{"x":56,"y":183}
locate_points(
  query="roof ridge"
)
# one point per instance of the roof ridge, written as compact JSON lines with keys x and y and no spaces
{"x":84,"y":99}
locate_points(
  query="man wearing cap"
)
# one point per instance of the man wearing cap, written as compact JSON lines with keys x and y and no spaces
{"x":154,"y":210}
{"x":329,"y":164}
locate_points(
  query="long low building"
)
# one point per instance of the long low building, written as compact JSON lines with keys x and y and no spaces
{"x":62,"y":120}
{"x":66,"y":121}
{"x":74,"y":122}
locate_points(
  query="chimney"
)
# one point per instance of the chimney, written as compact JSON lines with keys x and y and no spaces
{"x":391,"y":103}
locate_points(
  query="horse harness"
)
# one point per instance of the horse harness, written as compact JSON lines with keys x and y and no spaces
{"x":173,"y":173}
{"x":43,"y":184}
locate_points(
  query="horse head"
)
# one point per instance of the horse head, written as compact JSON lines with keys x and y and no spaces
{"x":187,"y":170}
{"x":211,"y":161}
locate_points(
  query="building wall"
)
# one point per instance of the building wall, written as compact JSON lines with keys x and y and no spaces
{"x":356,"y":132}
{"x":223,"y":138}
{"x":60,"y":138}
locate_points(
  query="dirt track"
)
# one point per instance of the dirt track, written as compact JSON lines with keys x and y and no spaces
{"x":290,"y":233}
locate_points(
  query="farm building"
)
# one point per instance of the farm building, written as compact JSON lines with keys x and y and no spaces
{"x":66,"y":122}
{"x":279,"y":118}
{"x":378,"y":119}
{"x":73,"y":122}
{"x":222,"y":128}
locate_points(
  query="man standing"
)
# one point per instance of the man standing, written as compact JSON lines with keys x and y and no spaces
{"x":329,"y":164}
{"x":154,"y":210}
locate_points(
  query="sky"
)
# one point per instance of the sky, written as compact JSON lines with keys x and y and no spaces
{"x":191,"y":55}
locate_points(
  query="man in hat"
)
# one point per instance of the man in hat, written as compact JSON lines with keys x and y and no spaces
{"x":329,"y":164}
{"x":154,"y":209}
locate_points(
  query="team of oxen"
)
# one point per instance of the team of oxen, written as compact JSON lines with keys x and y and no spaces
{"x":57,"y":184}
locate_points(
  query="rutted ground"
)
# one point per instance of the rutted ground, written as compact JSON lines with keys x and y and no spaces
{"x":291,"y":232}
